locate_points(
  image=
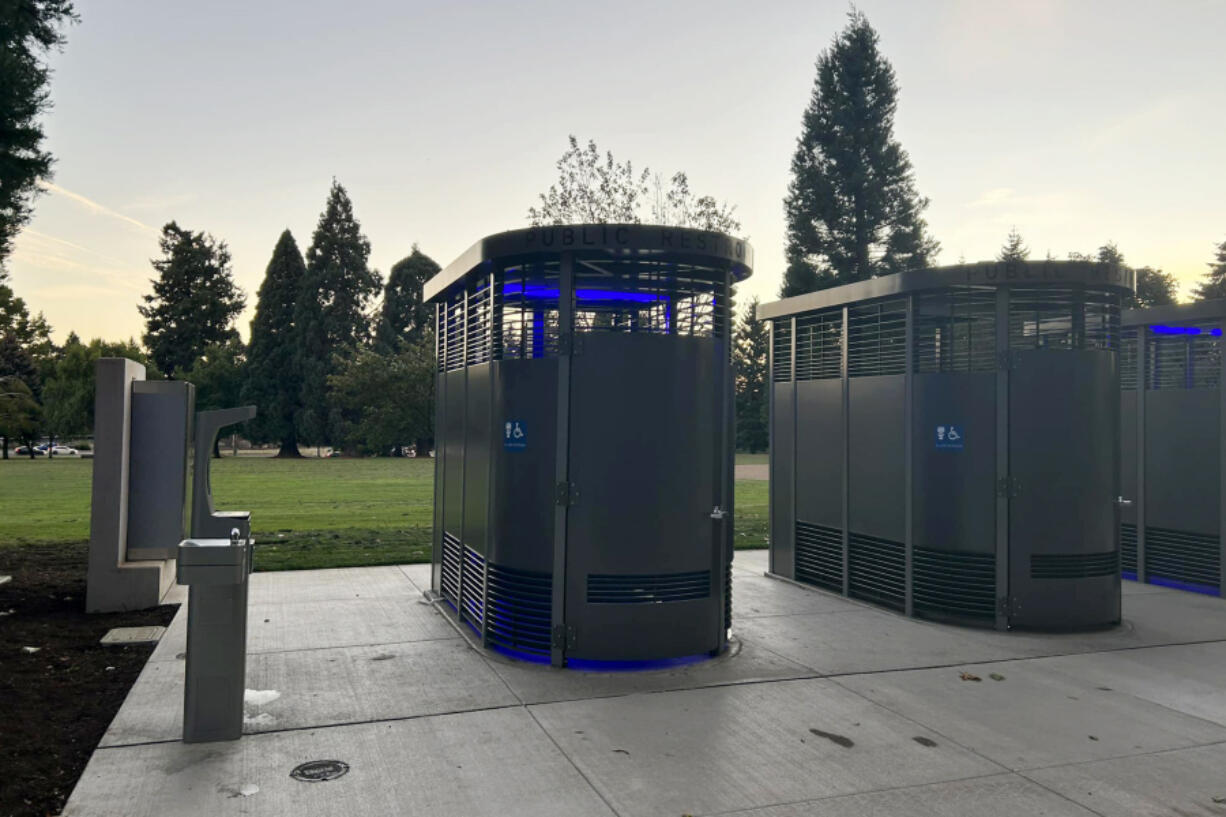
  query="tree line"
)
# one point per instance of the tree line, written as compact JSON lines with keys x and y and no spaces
{"x":329,"y":362}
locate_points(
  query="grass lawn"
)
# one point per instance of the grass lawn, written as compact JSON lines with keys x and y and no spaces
{"x":306,"y":513}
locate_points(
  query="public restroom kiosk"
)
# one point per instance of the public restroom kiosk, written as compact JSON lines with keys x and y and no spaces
{"x":1173,"y":417}
{"x":944,"y":442}
{"x":583,"y":490}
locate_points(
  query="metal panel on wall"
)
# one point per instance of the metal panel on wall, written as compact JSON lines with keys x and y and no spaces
{"x":479,"y":425}
{"x":524,"y":456}
{"x":1182,"y":450}
{"x":783,"y":443}
{"x":644,"y":409}
{"x":1064,"y":478}
{"x":454,"y":420}
{"x":819,"y":446}
{"x":877,"y":472}
{"x":954,"y":427}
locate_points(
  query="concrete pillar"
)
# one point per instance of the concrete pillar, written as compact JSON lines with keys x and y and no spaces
{"x":112,"y":582}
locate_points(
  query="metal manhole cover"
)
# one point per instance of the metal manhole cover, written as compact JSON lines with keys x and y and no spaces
{"x":317,"y":771}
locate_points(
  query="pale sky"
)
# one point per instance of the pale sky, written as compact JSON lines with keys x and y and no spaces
{"x":1078,"y":122}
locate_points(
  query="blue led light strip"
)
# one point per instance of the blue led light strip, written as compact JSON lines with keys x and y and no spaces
{"x":552,"y":293}
{"x":1163,"y":329}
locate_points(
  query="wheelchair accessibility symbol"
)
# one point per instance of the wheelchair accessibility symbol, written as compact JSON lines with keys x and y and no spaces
{"x":949,"y":438}
{"x":515,"y":435}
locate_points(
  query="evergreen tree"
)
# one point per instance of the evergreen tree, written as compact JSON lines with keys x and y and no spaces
{"x":1154,"y":288}
{"x":852,"y":208}
{"x":384,"y":401}
{"x":750,"y":359}
{"x":406,"y":319}
{"x":1214,"y":285}
{"x":218,"y":378}
{"x":273,"y":379}
{"x":1013,"y":249}
{"x":29,"y":30}
{"x":20,"y":414}
{"x":194,"y":302}
{"x":331,"y":311}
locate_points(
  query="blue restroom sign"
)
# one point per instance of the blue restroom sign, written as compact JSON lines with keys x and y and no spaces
{"x":514,"y":435}
{"x":949,"y":437}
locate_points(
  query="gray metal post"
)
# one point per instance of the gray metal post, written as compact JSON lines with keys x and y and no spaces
{"x":794,"y":421}
{"x":1142,"y":388}
{"x":908,"y":413}
{"x":845,"y":369}
{"x":566,"y":341}
{"x":1004,"y":362}
{"x":770,"y":449}
{"x":1221,"y":407}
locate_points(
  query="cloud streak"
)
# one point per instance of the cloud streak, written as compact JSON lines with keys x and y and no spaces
{"x":94,"y":206}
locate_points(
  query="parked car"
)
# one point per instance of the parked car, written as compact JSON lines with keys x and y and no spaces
{"x":24,"y":451}
{"x":64,"y":451}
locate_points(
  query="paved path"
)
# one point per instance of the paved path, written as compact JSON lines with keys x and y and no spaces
{"x":753,"y":472}
{"x":827,"y":707}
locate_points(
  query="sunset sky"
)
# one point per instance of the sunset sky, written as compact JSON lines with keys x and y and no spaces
{"x":1078,"y":122}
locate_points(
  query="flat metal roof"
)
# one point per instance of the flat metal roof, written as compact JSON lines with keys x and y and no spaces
{"x":1176,"y":313}
{"x":646,"y":241}
{"x":987,"y":273}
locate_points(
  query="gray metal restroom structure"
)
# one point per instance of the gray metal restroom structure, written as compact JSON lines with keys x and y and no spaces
{"x":1173,"y":419}
{"x":584,"y":473}
{"x":944,"y":442}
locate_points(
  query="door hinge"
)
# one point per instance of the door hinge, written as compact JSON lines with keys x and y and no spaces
{"x":564,"y":637}
{"x":1006,"y":361}
{"x":566,"y":494}
{"x":1008,"y":487}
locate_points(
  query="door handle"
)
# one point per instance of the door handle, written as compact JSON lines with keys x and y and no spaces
{"x":718,"y":513}
{"x":1123,"y":503}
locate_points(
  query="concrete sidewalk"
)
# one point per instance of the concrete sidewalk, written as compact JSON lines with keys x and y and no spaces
{"x":825,"y":707}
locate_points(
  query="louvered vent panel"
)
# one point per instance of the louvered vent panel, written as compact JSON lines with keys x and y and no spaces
{"x":1128,"y":550}
{"x":877,"y":339}
{"x":955,"y":331}
{"x":1055,"y":318}
{"x":1182,"y":556}
{"x":526,"y":318}
{"x":819,"y":339}
{"x":479,"y":323}
{"x":1184,"y":357}
{"x":472,"y":587}
{"x":948,"y":583}
{"x":638,"y":295}
{"x":1128,"y":359}
{"x":877,"y":570}
{"x":519,"y":604}
{"x":454,"y":321}
{"x":819,"y":556}
{"x":654,"y":588}
{"x":728,"y":596}
{"x":450,"y":580}
{"x":781,"y":351}
{"x":1074,"y":565}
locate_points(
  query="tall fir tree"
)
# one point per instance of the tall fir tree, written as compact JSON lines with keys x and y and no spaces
{"x":1214,"y":284}
{"x":1154,"y":287}
{"x":405,"y":317}
{"x":29,"y":31}
{"x":331,"y":314}
{"x":1013,"y":249}
{"x":750,"y":358}
{"x":852,"y":208}
{"x":273,"y":379}
{"x":194,"y":301}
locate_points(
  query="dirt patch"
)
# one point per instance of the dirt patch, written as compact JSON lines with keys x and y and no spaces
{"x":58,"y":701}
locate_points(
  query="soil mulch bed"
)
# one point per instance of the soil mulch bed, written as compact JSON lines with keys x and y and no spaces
{"x":56,"y":703}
